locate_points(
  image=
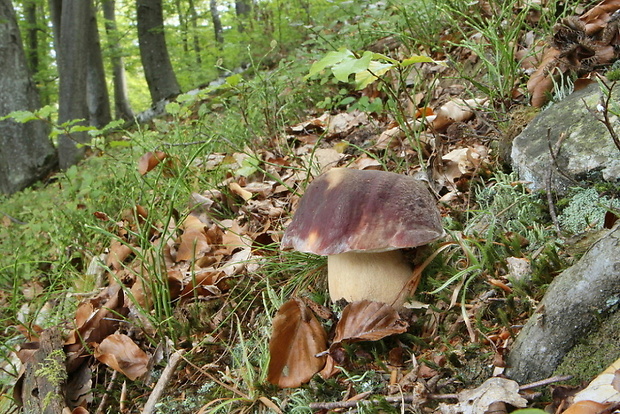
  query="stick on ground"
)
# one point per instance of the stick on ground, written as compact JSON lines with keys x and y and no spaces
{"x":149,"y":407}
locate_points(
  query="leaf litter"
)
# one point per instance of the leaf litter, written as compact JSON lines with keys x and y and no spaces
{"x":204,"y":257}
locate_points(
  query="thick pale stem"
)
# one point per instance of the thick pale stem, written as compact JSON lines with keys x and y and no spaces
{"x":368,"y":276}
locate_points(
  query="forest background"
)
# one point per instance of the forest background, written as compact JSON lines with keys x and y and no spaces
{"x":251,"y":106}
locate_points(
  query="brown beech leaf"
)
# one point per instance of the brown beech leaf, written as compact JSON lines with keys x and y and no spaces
{"x":367,"y":321}
{"x":457,"y":110}
{"x":121,"y":353}
{"x":296,"y":340}
{"x":150,"y":160}
{"x":193,"y":243}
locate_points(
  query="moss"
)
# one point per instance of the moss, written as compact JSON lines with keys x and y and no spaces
{"x":598,"y":350}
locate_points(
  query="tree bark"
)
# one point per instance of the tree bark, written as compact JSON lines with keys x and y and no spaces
{"x":158,"y":70}
{"x":196,"y":39}
{"x":32,"y":35}
{"x":70,"y":20}
{"x":26,"y":153}
{"x":122,"y":107}
{"x":98,"y":97}
{"x":243,"y":8}
{"x":217,"y":23}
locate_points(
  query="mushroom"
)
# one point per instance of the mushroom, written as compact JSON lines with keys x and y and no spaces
{"x":360,"y":220}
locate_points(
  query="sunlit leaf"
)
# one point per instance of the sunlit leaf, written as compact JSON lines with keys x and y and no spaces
{"x":330,"y":59}
{"x":351,"y":65}
{"x":416,"y":59}
{"x":375,"y":70}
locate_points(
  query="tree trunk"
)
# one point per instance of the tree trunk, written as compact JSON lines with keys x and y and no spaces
{"x":243,"y":8}
{"x":153,"y":51}
{"x":196,"y":39}
{"x":32,"y":35}
{"x":122,"y":108}
{"x":26,"y":153}
{"x":217,"y":23}
{"x":182,"y":25}
{"x":98,"y":97}
{"x":70,"y":19}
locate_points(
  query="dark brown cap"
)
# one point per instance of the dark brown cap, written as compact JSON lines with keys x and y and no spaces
{"x":363,"y":210}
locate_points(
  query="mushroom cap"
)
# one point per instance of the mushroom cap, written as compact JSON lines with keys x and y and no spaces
{"x":347,"y":210}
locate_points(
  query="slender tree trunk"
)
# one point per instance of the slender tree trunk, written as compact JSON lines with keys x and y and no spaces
{"x":97,"y":89}
{"x":72,"y":50}
{"x":182,"y":25}
{"x":158,"y":70}
{"x":122,"y":108}
{"x":196,"y":39}
{"x":217,"y":23}
{"x":32,"y":34}
{"x":26,"y":153}
{"x":243,"y":8}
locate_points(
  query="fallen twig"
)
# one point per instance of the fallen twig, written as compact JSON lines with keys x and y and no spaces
{"x":407,"y":399}
{"x":174,"y":360}
{"x":547,"y":381}
{"x":104,"y":398}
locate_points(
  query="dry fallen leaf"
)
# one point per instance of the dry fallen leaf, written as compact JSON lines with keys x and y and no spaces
{"x":150,"y":160}
{"x":367,"y":321}
{"x":604,"y":387}
{"x":457,"y":110}
{"x":587,"y":407}
{"x":193,"y":243}
{"x":478,"y":400}
{"x":121,"y":353}
{"x":296,"y":340}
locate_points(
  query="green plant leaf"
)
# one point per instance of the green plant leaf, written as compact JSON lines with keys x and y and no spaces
{"x":374,"y":70}
{"x":330,"y":59}
{"x":351,"y":65}
{"x":234,"y":80}
{"x":381,"y":56}
{"x":46,"y":111}
{"x":417,"y":59}
{"x":529,"y":411}
{"x":117,"y":144}
{"x":173,"y":108}
{"x":81,"y":128}
{"x":21,"y":116}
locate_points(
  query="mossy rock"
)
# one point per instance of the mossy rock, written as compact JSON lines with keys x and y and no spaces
{"x":587,"y":153}
{"x":594,"y":354}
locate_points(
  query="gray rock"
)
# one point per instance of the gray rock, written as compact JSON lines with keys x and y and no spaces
{"x":587,"y":151}
{"x":576,"y":302}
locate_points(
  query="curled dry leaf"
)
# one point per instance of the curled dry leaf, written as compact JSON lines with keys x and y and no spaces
{"x":367,"y":321}
{"x":236,"y":188}
{"x":541,"y":82}
{"x":150,"y":160}
{"x":457,"y":110}
{"x":193,"y":243}
{"x":362,"y":321}
{"x":121,"y":353}
{"x":296,"y":340}
{"x":478,"y":400}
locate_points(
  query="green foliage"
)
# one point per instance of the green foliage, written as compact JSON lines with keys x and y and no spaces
{"x":367,"y":68}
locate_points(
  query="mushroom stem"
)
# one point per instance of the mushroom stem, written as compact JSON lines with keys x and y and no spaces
{"x":379,"y":277}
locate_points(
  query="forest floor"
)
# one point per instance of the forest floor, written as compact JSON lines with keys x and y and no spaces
{"x":158,"y":258}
